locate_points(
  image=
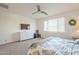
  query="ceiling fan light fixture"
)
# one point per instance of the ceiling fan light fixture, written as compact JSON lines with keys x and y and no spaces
{"x":39,"y":10}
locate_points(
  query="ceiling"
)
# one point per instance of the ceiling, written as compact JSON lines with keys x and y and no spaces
{"x":26,"y":9}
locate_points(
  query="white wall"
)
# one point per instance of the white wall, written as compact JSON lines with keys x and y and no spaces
{"x":68,"y":29}
{"x":10,"y":26}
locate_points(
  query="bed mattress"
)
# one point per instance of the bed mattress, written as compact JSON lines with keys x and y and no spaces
{"x":55,"y":46}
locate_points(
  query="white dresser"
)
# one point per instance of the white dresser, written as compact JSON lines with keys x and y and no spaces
{"x":26,"y":34}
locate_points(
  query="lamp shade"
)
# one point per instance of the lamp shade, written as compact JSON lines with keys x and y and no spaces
{"x":75,"y":34}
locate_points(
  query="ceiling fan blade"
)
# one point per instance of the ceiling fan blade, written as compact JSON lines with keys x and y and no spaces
{"x":35,"y":12}
{"x":38,"y":10}
{"x":44,"y":12}
{"x":38,"y":7}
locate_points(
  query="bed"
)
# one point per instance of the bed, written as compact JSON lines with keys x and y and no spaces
{"x":55,"y":46}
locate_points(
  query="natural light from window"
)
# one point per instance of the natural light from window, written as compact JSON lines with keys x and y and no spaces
{"x":55,"y":25}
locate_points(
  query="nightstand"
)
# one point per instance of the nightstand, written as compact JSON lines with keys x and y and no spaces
{"x":74,"y":38}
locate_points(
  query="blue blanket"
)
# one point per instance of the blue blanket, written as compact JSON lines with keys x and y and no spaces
{"x":61,"y":46}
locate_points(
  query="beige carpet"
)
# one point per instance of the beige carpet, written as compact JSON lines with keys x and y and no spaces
{"x":17,"y":48}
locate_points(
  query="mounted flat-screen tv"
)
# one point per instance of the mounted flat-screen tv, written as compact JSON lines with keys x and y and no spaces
{"x":25,"y":26}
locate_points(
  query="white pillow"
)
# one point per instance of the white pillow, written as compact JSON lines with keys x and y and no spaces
{"x":76,"y":41}
{"x":56,"y":39}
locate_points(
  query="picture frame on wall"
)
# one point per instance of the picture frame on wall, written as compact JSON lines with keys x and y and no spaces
{"x":25,"y":26}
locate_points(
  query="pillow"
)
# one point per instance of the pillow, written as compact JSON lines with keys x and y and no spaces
{"x":54,"y":38}
{"x":76,"y":41}
{"x":69,"y":40}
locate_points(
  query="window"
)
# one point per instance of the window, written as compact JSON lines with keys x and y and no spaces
{"x":55,"y":25}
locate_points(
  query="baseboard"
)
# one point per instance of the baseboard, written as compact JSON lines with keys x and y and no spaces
{"x":25,"y":40}
{"x":9,"y":43}
{"x":16,"y":41}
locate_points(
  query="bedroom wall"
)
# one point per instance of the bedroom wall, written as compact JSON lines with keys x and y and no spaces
{"x":10,"y":26}
{"x":68,"y":29}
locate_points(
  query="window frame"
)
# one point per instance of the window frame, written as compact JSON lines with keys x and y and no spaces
{"x":57,"y":25}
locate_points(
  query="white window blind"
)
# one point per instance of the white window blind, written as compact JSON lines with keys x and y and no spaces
{"x":55,"y":25}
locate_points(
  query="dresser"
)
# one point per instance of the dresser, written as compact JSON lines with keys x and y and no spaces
{"x":26,"y":34}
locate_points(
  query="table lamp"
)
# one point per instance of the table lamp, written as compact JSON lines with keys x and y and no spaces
{"x":75,"y":34}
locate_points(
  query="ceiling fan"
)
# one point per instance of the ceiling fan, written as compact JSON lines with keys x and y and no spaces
{"x":39,"y":10}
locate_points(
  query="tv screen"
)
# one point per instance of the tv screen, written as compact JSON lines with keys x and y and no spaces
{"x":25,"y":26}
